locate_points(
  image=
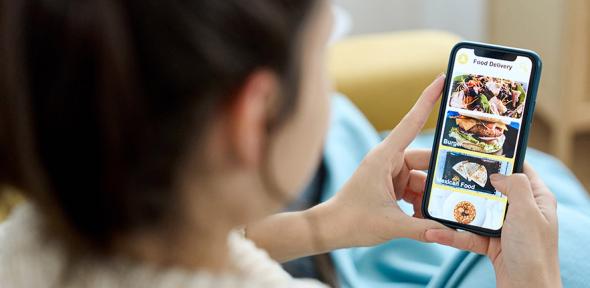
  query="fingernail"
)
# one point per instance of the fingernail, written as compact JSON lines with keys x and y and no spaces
{"x":441,"y":75}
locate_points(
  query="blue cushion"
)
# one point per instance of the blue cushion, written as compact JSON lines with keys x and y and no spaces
{"x":407,"y":263}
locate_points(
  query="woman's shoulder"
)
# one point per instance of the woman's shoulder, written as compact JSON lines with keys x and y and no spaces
{"x":25,"y":260}
{"x":28,"y":261}
{"x":252,"y":262}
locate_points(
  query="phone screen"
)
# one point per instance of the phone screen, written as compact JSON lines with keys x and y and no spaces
{"x":480,"y":133}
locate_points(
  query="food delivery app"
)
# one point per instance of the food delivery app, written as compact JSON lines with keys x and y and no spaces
{"x":483,"y":117}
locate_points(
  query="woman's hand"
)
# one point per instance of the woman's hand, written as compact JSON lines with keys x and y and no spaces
{"x":365,"y":212}
{"x":526,"y":254}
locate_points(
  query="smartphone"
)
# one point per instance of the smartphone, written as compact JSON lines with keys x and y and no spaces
{"x":485,"y":116}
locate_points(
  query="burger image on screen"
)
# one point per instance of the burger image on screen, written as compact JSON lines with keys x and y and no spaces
{"x":479,"y":133}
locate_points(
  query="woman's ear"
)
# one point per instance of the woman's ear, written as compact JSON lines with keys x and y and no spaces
{"x":249,"y":112}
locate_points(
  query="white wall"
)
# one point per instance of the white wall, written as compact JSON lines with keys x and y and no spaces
{"x":467,"y":18}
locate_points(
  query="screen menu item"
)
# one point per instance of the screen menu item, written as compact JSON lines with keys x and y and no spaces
{"x":483,"y":118}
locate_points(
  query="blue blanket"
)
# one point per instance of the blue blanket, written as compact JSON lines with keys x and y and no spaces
{"x":407,"y":263}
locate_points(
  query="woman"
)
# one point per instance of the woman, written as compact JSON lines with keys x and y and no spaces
{"x":146,"y":133}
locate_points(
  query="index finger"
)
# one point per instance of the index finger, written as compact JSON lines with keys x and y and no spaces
{"x":409,"y":127}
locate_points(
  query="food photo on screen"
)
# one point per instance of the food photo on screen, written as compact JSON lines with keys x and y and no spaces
{"x":480,"y":133}
{"x":466,"y":209}
{"x":467,"y":172}
{"x":488,"y":95}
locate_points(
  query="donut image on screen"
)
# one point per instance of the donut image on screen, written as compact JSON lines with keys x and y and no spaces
{"x":464,"y":212}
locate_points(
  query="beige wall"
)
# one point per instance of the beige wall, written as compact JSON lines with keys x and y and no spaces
{"x":390,"y":15}
{"x":536,"y":25}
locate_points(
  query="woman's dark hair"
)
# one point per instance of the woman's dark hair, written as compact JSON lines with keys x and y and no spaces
{"x":100,"y":99}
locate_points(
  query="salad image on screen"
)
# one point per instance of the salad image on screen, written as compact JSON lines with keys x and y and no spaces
{"x":482,"y":134}
{"x":488,"y":95}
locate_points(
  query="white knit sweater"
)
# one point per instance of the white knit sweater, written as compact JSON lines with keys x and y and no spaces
{"x":28,"y":261}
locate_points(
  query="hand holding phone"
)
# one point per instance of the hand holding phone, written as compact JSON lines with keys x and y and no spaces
{"x":365,"y":212}
{"x":483,"y":126}
{"x":526,"y":255}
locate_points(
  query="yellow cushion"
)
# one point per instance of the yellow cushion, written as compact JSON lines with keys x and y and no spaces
{"x":384,"y":74}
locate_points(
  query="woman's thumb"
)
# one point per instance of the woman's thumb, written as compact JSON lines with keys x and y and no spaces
{"x":415,"y":228}
{"x":517,"y":187}
{"x":499,"y":182}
